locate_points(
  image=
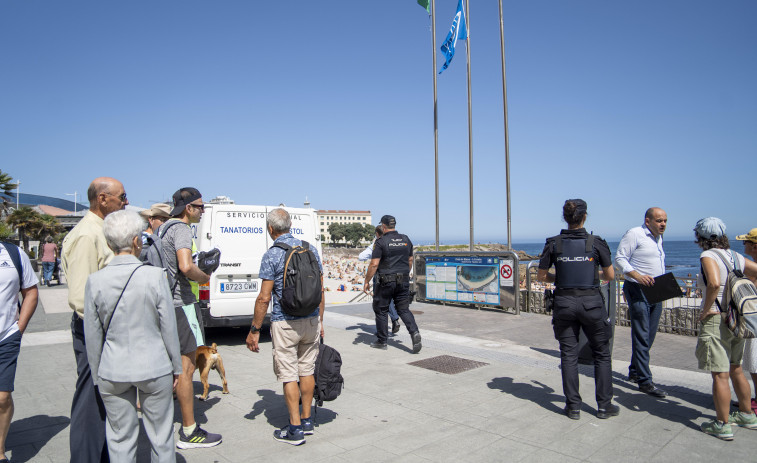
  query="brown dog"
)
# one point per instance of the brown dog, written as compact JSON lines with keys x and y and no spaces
{"x":208,"y":358}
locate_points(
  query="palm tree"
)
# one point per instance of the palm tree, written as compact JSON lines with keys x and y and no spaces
{"x":45,"y":225}
{"x":6,"y":187}
{"x":26,"y":220}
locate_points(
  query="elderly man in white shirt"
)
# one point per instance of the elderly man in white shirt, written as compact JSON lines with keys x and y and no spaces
{"x":641,"y":258}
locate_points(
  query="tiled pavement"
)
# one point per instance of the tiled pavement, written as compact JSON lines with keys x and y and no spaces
{"x":507,"y":410}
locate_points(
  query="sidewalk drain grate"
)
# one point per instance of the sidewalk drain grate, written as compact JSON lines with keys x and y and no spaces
{"x":448,"y":364}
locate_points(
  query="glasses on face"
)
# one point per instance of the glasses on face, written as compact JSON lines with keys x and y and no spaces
{"x":122,"y":196}
{"x":198,"y":206}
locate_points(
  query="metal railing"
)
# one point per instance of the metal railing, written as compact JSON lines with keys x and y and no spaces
{"x":679,"y":315}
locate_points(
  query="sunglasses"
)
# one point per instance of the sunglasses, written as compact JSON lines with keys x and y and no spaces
{"x":122,"y":196}
{"x":198,"y":206}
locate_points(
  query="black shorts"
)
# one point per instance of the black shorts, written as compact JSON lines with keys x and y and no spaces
{"x":187,"y":340}
{"x":9,"y":349}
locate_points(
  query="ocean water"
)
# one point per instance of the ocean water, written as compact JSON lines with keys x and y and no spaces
{"x":681,"y":257}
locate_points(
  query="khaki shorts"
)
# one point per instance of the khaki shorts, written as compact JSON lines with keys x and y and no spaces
{"x":717,"y":347}
{"x":295,"y":348}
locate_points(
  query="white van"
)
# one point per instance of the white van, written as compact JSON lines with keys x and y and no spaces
{"x":240,"y":233}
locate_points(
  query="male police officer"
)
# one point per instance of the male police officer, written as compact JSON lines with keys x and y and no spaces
{"x":393,"y":259}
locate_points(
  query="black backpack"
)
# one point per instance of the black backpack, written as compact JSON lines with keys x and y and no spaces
{"x":15,"y":255}
{"x":152,"y":252}
{"x":302,"y":292}
{"x":328,"y":377}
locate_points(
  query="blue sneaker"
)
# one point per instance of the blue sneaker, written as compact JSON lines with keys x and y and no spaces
{"x":307,"y":426}
{"x":286,"y":435}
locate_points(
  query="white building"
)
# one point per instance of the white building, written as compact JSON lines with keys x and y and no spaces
{"x":327,"y":217}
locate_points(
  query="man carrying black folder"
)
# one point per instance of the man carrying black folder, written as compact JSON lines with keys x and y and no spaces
{"x":641,"y":258}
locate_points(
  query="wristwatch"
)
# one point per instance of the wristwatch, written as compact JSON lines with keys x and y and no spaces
{"x":254,"y":329}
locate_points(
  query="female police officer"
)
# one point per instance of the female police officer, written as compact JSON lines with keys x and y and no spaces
{"x":578,"y":305}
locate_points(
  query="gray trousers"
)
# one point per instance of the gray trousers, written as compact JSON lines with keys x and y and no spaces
{"x":122,"y":429}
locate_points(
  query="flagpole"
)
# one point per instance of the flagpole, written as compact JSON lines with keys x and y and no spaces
{"x":470,"y":126}
{"x":436,"y":121}
{"x":507,"y":133}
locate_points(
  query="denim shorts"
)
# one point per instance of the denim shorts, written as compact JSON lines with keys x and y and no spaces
{"x":717,"y":347}
{"x":9,"y":349}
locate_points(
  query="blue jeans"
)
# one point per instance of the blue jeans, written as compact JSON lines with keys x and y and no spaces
{"x":645,"y":318}
{"x":47,"y":271}
{"x":393,"y":312}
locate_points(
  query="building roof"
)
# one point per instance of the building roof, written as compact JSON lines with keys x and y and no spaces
{"x":26,"y":199}
{"x":333,"y":211}
{"x":54,"y":211}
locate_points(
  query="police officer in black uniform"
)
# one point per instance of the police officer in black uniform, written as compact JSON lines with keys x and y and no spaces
{"x":578,"y":305}
{"x":393,"y":259}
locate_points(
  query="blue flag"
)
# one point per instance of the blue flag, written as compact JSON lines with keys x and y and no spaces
{"x":459,"y":30}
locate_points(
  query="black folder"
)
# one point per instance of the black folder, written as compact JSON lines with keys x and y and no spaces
{"x":665,"y":287}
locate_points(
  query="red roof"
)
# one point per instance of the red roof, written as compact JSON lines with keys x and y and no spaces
{"x":54,"y":211}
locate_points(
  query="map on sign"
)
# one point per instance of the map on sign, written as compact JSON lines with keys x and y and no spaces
{"x":471,"y":279}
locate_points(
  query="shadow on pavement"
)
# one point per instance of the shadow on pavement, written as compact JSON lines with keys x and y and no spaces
{"x":272,"y":406}
{"x":550,"y":352}
{"x":539,"y":393}
{"x":200,"y":406}
{"x":368,"y":335}
{"x":669,"y":408}
{"x":37,"y":430}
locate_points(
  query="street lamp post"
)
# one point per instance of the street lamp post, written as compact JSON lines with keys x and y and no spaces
{"x":74,"y":194}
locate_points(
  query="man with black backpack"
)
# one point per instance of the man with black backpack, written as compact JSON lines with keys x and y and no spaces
{"x":292,"y":277}
{"x":178,"y":247}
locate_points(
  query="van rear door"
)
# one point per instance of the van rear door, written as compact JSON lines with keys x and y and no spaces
{"x":240,"y":233}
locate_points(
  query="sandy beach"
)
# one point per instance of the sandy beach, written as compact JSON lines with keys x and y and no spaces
{"x":344,"y":276}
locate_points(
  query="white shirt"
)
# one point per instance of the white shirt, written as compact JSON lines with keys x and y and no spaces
{"x":366,"y":254}
{"x":9,"y":289}
{"x":733,"y":258}
{"x":639,"y":250}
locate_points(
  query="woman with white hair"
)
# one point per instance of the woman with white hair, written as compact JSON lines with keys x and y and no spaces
{"x":132,"y":343}
{"x":718,"y":350}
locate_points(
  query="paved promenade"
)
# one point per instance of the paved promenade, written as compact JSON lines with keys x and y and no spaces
{"x":508,"y":407}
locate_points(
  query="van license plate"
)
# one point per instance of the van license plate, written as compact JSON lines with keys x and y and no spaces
{"x":241,"y":287}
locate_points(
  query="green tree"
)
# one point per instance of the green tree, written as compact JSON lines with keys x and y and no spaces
{"x":337,"y":232}
{"x":356,"y":232}
{"x":6,"y":187}
{"x":32,"y":224}
{"x":6,"y":231}
{"x":353,"y":232}
{"x":45,"y":225}
{"x":369,"y":232}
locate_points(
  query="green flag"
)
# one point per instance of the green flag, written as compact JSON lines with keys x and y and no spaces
{"x":425,"y":4}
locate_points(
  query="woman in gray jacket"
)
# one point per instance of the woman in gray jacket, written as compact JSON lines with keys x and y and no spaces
{"x":132,"y":343}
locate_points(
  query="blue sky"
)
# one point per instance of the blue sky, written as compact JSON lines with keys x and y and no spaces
{"x":624,"y":104}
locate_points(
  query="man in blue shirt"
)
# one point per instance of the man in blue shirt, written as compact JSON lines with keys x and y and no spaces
{"x":294,"y":339}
